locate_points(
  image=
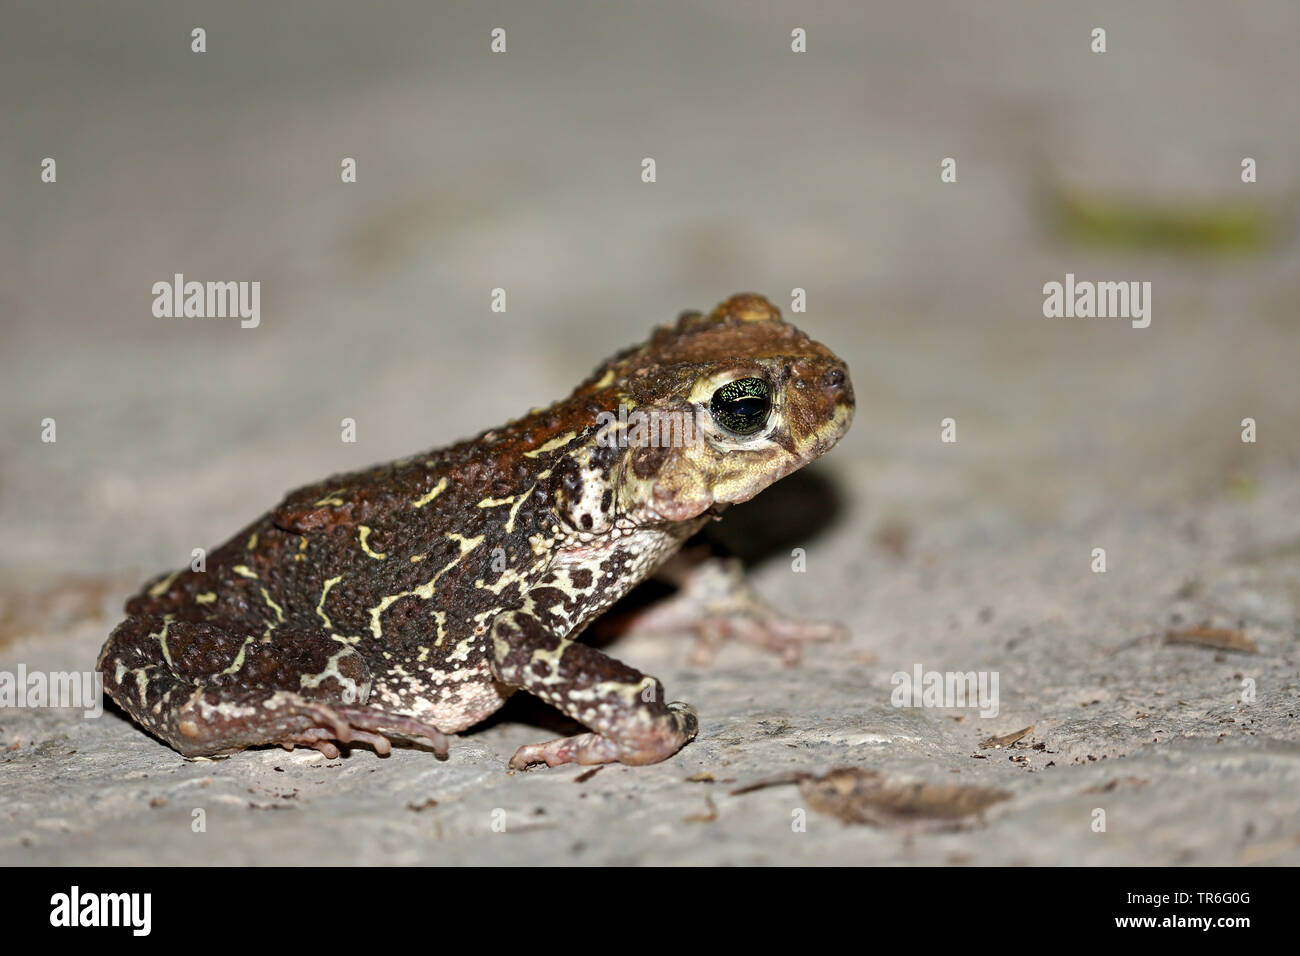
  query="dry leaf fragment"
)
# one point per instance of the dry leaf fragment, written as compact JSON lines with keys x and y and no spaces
{"x":861,"y":795}
{"x":1007,"y":740}
{"x":705,"y":817}
{"x":1220,"y":638}
{"x":794,"y":777}
{"x":855,"y":795}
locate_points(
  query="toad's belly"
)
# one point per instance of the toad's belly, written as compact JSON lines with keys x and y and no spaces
{"x":450,"y":695}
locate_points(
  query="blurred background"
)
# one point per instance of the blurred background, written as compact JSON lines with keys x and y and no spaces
{"x":775,"y":171}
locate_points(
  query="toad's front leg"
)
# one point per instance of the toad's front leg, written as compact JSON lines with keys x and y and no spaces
{"x":625,"y":708}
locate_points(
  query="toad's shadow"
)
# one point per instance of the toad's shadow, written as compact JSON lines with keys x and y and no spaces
{"x":785,"y":516}
{"x":788,"y":515}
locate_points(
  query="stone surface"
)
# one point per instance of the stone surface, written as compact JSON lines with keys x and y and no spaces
{"x":774,"y":171}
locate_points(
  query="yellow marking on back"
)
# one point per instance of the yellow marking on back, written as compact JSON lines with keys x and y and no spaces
{"x":244,"y":571}
{"x":238,"y":662}
{"x":320,"y":605}
{"x":252,"y":541}
{"x":363,"y":533}
{"x":161,"y":587}
{"x":514,"y":501}
{"x":557,"y":442}
{"x":207,"y":597}
{"x":514,"y":511}
{"x":279,"y":612}
{"x":435,"y":492}
{"x":507,"y":578}
{"x":331,"y":498}
{"x":605,"y":380}
{"x":161,"y":637}
{"x":425,"y":590}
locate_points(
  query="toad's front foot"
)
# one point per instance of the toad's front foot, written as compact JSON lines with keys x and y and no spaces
{"x":658,"y":743}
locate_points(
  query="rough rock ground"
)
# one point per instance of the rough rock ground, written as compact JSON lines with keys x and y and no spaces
{"x":775,"y":171}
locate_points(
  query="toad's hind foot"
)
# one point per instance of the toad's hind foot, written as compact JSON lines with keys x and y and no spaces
{"x":347,"y":724}
{"x":767,"y":629}
{"x":208,"y":692}
{"x":715,"y":603}
{"x":221,"y":721}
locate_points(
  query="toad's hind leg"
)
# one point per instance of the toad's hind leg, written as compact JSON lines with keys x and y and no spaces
{"x":716,"y":603}
{"x":626,"y":708}
{"x":206,"y":691}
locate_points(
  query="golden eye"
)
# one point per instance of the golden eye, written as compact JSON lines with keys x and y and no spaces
{"x":742,"y":406}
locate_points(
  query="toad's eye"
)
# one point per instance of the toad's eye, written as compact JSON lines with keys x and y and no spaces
{"x":742,"y":406}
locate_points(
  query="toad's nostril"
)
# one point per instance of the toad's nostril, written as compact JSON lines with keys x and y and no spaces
{"x":834,"y":377}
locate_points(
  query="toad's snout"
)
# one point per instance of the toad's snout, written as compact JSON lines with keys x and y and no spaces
{"x":837,"y":387}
